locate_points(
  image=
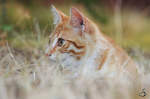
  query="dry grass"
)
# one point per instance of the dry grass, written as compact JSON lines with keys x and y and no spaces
{"x":25,"y":73}
{"x":30,"y":75}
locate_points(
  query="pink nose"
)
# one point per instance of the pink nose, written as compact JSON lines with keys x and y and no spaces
{"x":47,"y":54}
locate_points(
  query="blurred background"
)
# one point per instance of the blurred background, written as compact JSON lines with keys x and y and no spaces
{"x":26,"y":23}
{"x":25,"y":71}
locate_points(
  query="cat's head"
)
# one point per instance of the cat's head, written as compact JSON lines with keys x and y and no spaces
{"x":72,"y":36}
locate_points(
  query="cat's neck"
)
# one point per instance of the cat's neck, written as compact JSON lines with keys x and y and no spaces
{"x":94,"y":53}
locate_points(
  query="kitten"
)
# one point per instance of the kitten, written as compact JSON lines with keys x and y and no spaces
{"x":77,"y":42}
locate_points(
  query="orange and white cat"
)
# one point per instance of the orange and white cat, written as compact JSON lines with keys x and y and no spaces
{"x":77,"y":42}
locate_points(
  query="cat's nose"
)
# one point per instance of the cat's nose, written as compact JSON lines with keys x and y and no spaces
{"x":48,"y":54}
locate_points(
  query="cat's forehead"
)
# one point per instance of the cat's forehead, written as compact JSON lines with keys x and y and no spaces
{"x":61,"y":29}
{"x":66,"y":31}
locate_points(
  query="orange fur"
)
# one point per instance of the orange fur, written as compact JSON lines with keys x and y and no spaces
{"x":84,"y":41}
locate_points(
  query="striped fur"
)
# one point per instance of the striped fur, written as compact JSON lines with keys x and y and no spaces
{"x":84,"y":46}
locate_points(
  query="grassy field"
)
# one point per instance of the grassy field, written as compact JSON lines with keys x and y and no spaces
{"x":26,"y":73}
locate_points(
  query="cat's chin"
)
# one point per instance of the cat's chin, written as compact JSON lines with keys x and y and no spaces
{"x":52,"y":59}
{"x":67,"y":63}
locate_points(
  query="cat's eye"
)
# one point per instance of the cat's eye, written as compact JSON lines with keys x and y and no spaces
{"x":49,"y":41}
{"x":60,"y":42}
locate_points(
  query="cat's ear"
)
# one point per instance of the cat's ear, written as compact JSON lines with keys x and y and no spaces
{"x":57,"y":15}
{"x":76,"y":18}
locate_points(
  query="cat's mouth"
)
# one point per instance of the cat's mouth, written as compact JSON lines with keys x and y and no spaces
{"x":57,"y":59}
{"x":52,"y":58}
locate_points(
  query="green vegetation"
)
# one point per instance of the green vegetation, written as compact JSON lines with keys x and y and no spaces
{"x":29,"y":21}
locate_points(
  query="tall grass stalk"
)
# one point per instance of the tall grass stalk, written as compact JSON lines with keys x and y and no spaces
{"x":118,"y":21}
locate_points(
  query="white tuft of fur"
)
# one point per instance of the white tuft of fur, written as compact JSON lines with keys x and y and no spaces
{"x":56,"y":16}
